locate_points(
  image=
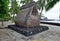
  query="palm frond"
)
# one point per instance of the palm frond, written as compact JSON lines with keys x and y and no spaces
{"x":50,"y":4}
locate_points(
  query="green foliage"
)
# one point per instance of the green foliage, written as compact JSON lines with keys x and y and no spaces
{"x":4,"y":10}
{"x":40,"y":4}
{"x":50,"y":4}
{"x":25,"y":1}
{"x":47,"y":4}
{"x":14,"y":7}
{"x":4,"y":6}
{"x":4,"y":17}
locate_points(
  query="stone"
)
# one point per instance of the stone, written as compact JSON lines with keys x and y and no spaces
{"x":28,"y":16}
{"x":5,"y":36}
{"x":28,"y":31}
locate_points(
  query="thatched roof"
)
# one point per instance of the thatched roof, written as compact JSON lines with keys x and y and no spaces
{"x":28,"y":5}
{"x":28,"y":15}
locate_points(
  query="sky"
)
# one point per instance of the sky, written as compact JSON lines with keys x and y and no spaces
{"x":53,"y":13}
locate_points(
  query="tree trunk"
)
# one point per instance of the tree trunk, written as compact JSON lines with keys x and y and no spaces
{"x":41,"y":13}
{"x":2,"y":23}
{"x":13,"y":17}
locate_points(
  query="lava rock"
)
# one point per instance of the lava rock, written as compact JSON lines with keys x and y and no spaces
{"x":28,"y":31}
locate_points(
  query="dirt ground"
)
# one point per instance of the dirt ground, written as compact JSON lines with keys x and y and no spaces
{"x":53,"y":34}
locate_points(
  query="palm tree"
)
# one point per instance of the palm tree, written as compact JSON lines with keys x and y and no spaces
{"x":47,"y":4}
{"x":14,"y":8}
{"x":40,"y":6}
{"x":4,"y":16}
{"x":50,"y":4}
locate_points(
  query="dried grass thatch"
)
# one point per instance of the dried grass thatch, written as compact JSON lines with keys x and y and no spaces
{"x":28,"y":16}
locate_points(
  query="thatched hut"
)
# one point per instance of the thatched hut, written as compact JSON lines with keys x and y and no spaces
{"x":28,"y":16}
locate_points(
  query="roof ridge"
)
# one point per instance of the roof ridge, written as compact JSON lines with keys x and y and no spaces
{"x":27,"y":5}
